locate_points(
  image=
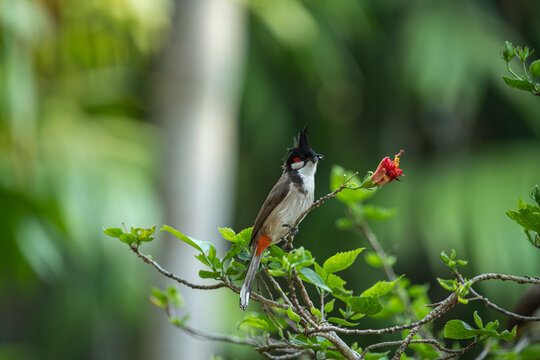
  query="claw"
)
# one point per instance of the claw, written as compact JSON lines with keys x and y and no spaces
{"x":291,"y":230}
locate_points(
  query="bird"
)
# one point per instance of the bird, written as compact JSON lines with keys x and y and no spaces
{"x":289,"y":198}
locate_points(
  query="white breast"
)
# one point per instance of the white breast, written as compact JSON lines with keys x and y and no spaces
{"x":295,"y":203}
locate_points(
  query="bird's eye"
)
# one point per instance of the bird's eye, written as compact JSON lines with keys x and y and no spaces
{"x":297,"y":159}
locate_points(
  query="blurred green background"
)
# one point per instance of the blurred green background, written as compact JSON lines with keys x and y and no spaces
{"x":82,"y":144}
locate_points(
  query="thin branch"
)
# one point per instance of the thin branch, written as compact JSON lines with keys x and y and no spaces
{"x":295,"y":355}
{"x":485,"y":351}
{"x":259,"y":298}
{"x":460,"y":352}
{"x":280,"y":346}
{"x":173,"y":276}
{"x":493,"y":305}
{"x":200,"y":334}
{"x":433,"y":342}
{"x":302,"y":289}
{"x":340,"y":345}
{"x":503,"y":277}
{"x":501,"y":310}
{"x":305,"y":315}
{"x":277,"y":287}
{"x":322,"y":305}
{"x":443,"y":307}
{"x":405,"y":343}
{"x":317,"y":203}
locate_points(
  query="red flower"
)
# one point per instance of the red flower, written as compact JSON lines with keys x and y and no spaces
{"x":387,"y":171}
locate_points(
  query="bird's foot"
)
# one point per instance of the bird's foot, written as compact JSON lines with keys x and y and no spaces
{"x":292,"y":231}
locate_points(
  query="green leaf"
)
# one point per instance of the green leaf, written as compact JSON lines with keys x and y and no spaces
{"x":114,"y":232}
{"x":519,"y":84}
{"x":277,"y":273}
{"x":202,"y":246}
{"x":449,"y":285}
{"x":378,"y":212}
{"x":478,"y":320}
{"x":233,"y":251}
{"x":299,"y":258}
{"x":316,"y":312}
{"x":175,"y":321}
{"x":276,"y":252}
{"x":508,"y":335}
{"x":508,"y":52}
{"x":492,"y":326}
{"x":445,"y":257}
{"x":228,"y":234}
{"x":244,"y":237}
{"x":309,"y":275}
{"x":377,"y":356}
{"x":202,"y":258}
{"x":380,"y":288}
{"x":338,"y":176}
{"x":535,"y":194}
{"x":340,"y":261}
{"x":340,"y":321}
{"x":174,"y":296}
{"x":159,"y":298}
{"x":320,"y":271}
{"x":365,"y":305}
{"x":212,"y":253}
{"x":344,"y":223}
{"x":372,"y":259}
{"x":253,"y":322}
{"x":329,"y":306}
{"x":292,"y":315}
{"x":457,"y":329}
{"x":534,"y":68}
{"x":128,"y":238}
{"x":335,"y":355}
{"x":527,"y":216}
{"x":203,"y":274}
{"x":243,"y":255}
{"x":357,"y":316}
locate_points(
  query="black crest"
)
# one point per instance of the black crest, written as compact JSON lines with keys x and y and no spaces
{"x":301,"y":148}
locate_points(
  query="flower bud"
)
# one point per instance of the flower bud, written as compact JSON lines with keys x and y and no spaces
{"x":508,"y":52}
{"x":387,"y":171}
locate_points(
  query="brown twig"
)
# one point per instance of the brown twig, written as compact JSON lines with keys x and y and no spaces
{"x":493,"y":305}
{"x":295,"y":355}
{"x":433,"y":342}
{"x":302,"y":288}
{"x":405,"y":343}
{"x":173,"y":276}
{"x":306,"y":316}
{"x":460,"y":352}
{"x":443,"y":307}
{"x":340,"y":345}
{"x":485,"y":351}
{"x":277,"y":287}
{"x":209,"y":336}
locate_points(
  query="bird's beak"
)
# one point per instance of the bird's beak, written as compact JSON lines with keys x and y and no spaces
{"x":317,"y":157}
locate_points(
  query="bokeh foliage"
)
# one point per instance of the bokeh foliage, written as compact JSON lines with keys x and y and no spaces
{"x":77,"y":150}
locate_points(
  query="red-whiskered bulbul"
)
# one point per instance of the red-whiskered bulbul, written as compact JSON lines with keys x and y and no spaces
{"x":289,"y":198}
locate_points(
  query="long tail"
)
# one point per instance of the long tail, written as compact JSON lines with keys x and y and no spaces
{"x":248,"y":281}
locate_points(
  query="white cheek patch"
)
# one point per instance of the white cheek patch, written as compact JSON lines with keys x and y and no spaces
{"x":297,"y":165}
